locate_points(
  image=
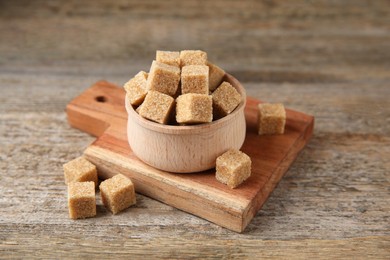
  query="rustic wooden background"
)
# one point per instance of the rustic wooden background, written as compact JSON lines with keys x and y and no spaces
{"x":326,"y":58}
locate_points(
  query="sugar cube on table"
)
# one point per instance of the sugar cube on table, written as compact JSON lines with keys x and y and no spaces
{"x":117,"y":193}
{"x":193,"y":57}
{"x":195,"y":79}
{"x":233,"y":168}
{"x":136,"y":88}
{"x":216,"y":75}
{"x":194,"y":108}
{"x":80,"y":170}
{"x":168,"y":57}
{"x":157,"y":107}
{"x":163,"y":78}
{"x":81,"y":199}
{"x":271,"y":118}
{"x":225,"y":99}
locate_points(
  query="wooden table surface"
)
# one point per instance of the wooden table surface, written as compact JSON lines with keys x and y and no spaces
{"x":330,"y":59}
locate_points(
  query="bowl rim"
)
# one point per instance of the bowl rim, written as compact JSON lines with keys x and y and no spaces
{"x":190,"y":129}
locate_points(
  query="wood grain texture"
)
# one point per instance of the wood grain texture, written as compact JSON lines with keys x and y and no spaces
{"x":326,"y":58}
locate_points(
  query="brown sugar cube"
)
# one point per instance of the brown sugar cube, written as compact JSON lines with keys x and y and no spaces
{"x":195,"y":79}
{"x":225,"y":99}
{"x":233,"y":168}
{"x":157,"y":107}
{"x":163,"y":78}
{"x":136,"y":88}
{"x":117,"y":193}
{"x":80,"y":170}
{"x":168,"y":57}
{"x":271,"y":119}
{"x":81,"y":199}
{"x":216,"y":75}
{"x":193,"y":57}
{"x":194,"y":108}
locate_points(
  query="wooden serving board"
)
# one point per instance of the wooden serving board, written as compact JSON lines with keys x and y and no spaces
{"x":100,"y":111}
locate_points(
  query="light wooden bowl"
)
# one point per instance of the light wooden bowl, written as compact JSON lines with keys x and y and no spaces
{"x":191,"y":148}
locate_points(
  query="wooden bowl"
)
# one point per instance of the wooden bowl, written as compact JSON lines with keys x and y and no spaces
{"x":191,"y":148}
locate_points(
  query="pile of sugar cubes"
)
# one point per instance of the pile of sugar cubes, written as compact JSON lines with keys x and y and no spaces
{"x":117,"y":193}
{"x":182,"y":88}
{"x":185,"y":88}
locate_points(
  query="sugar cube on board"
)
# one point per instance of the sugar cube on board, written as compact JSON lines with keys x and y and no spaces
{"x":233,"y":168}
{"x":271,"y":118}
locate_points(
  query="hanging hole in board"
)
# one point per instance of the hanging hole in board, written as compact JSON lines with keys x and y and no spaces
{"x":101,"y":99}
